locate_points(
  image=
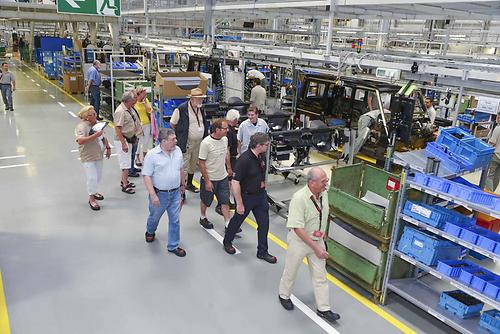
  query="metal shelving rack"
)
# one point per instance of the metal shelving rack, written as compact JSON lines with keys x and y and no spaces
{"x":425,"y":285}
{"x":120,"y":74}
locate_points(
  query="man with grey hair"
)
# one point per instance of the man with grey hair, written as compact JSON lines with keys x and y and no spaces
{"x":7,"y":86}
{"x":164,"y":179}
{"x":307,"y":221}
{"x":92,"y":88}
{"x":127,"y":127}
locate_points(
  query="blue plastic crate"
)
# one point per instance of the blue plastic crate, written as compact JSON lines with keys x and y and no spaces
{"x":472,"y":233}
{"x":474,"y":151}
{"x":427,"y":248}
{"x":452,"y":137}
{"x":478,"y":282}
{"x":488,"y":241}
{"x":482,"y":198}
{"x":426,"y":213}
{"x":447,"y":160}
{"x":492,"y":289}
{"x":455,"y":228}
{"x":460,"y":191}
{"x":421,"y":179}
{"x":438,"y":183}
{"x":491,"y":321}
{"x":460,"y":304}
{"x":467,"y":274}
{"x":452,"y":268}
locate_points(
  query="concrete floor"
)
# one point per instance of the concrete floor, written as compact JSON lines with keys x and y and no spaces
{"x":67,"y":269}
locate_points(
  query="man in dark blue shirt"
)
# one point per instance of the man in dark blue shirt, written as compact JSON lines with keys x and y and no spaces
{"x":93,"y":83}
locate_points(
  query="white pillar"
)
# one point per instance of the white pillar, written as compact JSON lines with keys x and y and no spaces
{"x":114,"y":30}
{"x":330,"y":28}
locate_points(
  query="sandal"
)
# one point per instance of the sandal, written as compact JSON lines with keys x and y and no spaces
{"x":129,"y":185}
{"x":94,"y":206}
{"x":138,"y":163}
{"x":98,"y":196}
{"x":178,"y":251}
{"x":128,"y":190}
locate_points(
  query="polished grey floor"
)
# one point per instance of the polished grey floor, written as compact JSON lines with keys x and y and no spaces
{"x":68,"y":269}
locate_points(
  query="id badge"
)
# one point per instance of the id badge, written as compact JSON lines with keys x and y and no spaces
{"x":317,"y":234}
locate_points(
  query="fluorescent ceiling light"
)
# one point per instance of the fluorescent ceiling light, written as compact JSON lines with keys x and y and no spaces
{"x":346,"y":32}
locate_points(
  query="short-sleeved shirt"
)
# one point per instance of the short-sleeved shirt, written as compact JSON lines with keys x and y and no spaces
{"x":164,"y":168}
{"x":258,"y":97}
{"x":128,"y":120}
{"x":232,"y":141}
{"x":214,"y":152}
{"x":196,"y":126}
{"x":91,"y":150}
{"x":6,"y":78}
{"x":141,"y":110}
{"x":250,"y":172}
{"x":302,"y":213}
{"x":247,"y":129}
{"x":495,"y":140}
{"x":432,"y":114}
{"x":93,"y":74}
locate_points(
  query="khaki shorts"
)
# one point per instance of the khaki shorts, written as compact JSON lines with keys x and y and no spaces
{"x":124,"y":158}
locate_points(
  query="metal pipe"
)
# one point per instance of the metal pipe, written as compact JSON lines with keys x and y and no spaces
{"x":330,"y":28}
{"x":460,"y":95}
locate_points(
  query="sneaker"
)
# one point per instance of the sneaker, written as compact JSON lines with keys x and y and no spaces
{"x":150,"y":237}
{"x":206,"y":224}
{"x":230,"y":249}
{"x":268,"y":258}
{"x":232,"y":206}
{"x":286,"y":303}
{"x":192,"y":188}
{"x":218,"y":209}
{"x":328,"y":316}
{"x":178,"y":251}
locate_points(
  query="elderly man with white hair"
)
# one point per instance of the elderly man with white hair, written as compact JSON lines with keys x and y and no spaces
{"x":127,"y":127}
{"x":307,"y":221}
{"x":232,"y":117}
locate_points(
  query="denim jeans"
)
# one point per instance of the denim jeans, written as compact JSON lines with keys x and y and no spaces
{"x":95,"y":98}
{"x":7,"y":96}
{"x":170,"y":202}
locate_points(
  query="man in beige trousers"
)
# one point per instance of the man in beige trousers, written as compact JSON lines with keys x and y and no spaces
{"x":307,"y":221}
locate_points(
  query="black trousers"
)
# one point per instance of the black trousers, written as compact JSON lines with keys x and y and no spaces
{"x":260,"y":208}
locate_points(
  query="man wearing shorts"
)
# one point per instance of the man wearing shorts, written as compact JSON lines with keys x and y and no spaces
{"x":215,"y":167}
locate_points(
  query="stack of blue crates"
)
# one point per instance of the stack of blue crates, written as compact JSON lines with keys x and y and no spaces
{"x":433,"y":215}
{"x":491,"y":321}
{"x":460,"y":151}
{"x":460,"y":304}
{"x":474,"y":117}
{"x":427,"y":248}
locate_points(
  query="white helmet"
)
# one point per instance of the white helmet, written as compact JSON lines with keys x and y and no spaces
{"x":254,"y":74}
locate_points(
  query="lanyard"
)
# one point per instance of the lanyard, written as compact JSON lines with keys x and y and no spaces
{"x":319,"y":208}
{"x":195,"y":112}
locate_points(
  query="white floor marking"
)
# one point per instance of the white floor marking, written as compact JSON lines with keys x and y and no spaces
{"x":28,"y":76}
{"x":12,"y":157}
{"x":38,"y":84}
{"x":72,"y":114}
{"x":61,"y":104}
{"x":218,"y":237}
{"x":33,"y":80}
{"x":12,"y":166}
{"x":74,"y":151}
{"x":44,"y":90}
{"x":52,"y":96}
{"x":313,"y":316}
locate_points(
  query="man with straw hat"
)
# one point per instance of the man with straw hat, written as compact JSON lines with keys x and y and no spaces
{"x":191,"y":127}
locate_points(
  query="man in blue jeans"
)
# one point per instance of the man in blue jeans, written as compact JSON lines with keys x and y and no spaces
{"x":93,"y":83}
{"x":7,"y":86}
{"x":164,"y":179}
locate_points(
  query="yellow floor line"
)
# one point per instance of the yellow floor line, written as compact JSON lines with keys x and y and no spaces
{"x":110,"y":124}
{"x":353,"y":293}
{"x":4,"y":316}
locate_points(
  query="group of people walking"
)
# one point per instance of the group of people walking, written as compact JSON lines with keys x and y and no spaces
{"x":229,"y":162}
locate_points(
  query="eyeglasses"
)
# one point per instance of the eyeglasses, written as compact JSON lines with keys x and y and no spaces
{"x":226,"y":128}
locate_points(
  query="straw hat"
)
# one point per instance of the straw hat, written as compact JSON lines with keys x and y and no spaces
{"x":196,"y":92}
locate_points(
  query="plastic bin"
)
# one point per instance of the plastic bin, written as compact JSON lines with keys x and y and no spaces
{"x":491,"y":289}
{"x":467,"y":274}
{"x":427,"y":248}
{"x":491,"y":321}
{"x":452,"y":137}
{"x":460,"y":191}
{"x":456,"y":229}
{"x":460,"y":304}
{"x":478,"y":282}
{"x":447,"y":160}
{"x":488,"y":222}
{"x":474,"y":151}
{"x":452,"y":268}
{"x":472,"y":233}
{"x":433,"y":215}
{"x":421,"y":179}
{"x":488,"y":240}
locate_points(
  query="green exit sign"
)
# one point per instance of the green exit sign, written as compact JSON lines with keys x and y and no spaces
{"x":90,"y":7}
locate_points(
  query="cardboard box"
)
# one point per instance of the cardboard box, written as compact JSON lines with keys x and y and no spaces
{"x":179,"y":84}
{"x":73,"y":82}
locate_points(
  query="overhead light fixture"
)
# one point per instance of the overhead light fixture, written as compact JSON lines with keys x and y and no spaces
{"x":375,"y":33}
{"x":408,"y":34}
{"x":346,"y":32}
